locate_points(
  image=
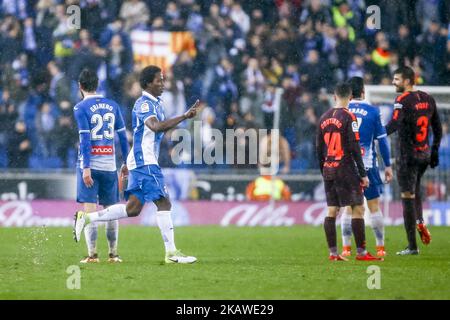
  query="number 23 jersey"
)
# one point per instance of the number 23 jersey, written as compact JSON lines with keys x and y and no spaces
{"x":101,"y":118}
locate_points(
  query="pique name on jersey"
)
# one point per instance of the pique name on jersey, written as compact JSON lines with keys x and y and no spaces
{"x":97,"y":106}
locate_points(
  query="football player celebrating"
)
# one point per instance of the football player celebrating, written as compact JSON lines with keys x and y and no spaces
{"x":146,"y":181}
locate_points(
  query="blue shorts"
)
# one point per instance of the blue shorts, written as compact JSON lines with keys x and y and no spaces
{"x":105,"y":190}
{"x":147,"y":184}
{"x":375,"y":188}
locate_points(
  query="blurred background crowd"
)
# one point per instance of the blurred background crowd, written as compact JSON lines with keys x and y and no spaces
{"x":245,"y":50}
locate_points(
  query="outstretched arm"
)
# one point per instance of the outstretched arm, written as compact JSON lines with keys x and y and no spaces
{"x":162,"y":126}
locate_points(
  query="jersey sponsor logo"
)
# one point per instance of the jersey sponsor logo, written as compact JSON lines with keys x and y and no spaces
{"x":355,"y":126}
{"x":421,"y":148}
{"x":102,"y":150}
{"x":398,"y":106}
{"x":145,"y":107}
{"x":331,"y":164}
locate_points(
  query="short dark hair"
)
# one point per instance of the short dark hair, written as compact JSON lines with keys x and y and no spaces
{"x":148,"y":74}
{"x":343,"y":90}
{"x":406,"y":73}
{"x":88,"y":80}
{"x":357,"y":85}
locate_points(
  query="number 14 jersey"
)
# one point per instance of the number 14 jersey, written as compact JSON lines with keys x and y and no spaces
{"x":337,"y":143}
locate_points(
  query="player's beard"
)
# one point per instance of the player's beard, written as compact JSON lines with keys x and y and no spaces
{"x":400,"y":89}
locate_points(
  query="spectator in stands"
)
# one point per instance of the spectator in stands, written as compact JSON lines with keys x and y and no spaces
{"x":118,"y":64}
{"x":311,"y":69}
{"x":65,"y":130}
{"x":240,"y":17}
{"x":135,"y":14}
{"x":173,"y":96}
{"x":60,"y":88}
{"x":306,"y":130}
{"x":253,"y":83}
{"x":8,"y":117}
{"x":316,"y":12}
{"x":19,"y":146}
{"x":45,"y":123}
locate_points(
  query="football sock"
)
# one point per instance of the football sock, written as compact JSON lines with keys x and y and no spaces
{"x":419,"y":210}
{"x":90,"y":233}
{"x":112,"y":234}
{"x":330,"y":231}
{"x":409,"y":217}
{"x":346,"y":228}
{"x":358,"y":229}
{"x":164,"y":221}
{"x":117,"y":211}
{"x":377,"y":222}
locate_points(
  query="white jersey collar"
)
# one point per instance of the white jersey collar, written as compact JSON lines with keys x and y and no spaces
{"x":89,"y":96}
{"x":359,"y":101}
{"x":149,"y":95}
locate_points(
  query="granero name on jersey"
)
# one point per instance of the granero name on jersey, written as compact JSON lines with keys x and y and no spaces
{"x":95,"y":107}
{"x":359,"y":111}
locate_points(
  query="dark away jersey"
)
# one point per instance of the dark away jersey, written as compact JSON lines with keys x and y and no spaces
{"x":338,"y":149}
{"x":414,"y":113}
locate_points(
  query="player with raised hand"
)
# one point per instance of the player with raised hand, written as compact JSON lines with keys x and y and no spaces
{"x":98,"y":120}
{"x":370,"y":129}
{"x":344,"y":174}
{"x":414,"y":112}
{"x":145,"y":181}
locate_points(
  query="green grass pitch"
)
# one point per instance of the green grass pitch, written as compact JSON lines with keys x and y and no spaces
{"x":234,"y":263}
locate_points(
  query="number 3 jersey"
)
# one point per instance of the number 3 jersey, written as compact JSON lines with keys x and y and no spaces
{"x":100,"y":118}
{"x":414,"y":113}
{"x":337,"y":145}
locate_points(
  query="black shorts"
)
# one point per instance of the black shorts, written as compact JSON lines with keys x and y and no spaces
{"x":409,"y":176}
{"x":344,"y":192}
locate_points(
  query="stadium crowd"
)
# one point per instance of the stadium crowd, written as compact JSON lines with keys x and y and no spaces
{"x":245,"y":50}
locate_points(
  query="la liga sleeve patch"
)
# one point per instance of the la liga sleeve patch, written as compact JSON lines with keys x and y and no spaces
{"x":145,"y":107}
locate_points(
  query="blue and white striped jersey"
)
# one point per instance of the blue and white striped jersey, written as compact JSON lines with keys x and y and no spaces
{"x":145,"y":150}
{"x":370,"y":128}
{"x":101,"y":119}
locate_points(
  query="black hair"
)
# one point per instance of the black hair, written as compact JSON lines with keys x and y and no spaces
{"x":88,"y":80}
{"x":148,"y":74}
{"x":407,"y":73}
{"x":343,"y":90}
{"x":357,"y":85}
